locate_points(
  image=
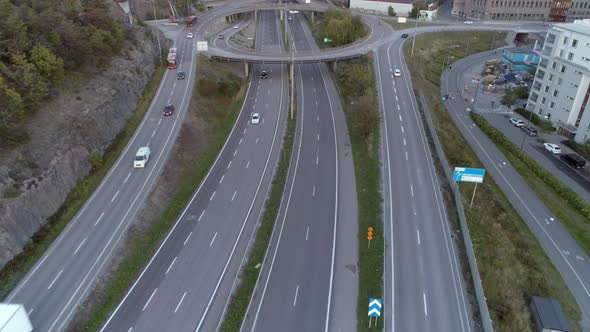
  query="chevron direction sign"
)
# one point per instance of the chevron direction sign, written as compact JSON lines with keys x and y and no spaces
{"x":375,"y":307}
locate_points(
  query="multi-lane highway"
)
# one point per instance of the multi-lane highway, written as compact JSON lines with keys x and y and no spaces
{"x":296,"y":288}
{"x":61,"y":279}
{"x":424,"y":286}
{"x":567,"y":256}
{"x":187,"y":283}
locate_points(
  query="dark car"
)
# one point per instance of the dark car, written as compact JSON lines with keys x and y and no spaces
{"x":180,"y":75}
{"x":530,"y":130}
{"x":404,"y":35}
{"x":263,"y":74}
{"x":573,"y":160}
{"x":168,"y":110}
{"x":220,"y":37}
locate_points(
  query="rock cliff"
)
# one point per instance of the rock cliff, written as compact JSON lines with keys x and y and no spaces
{"x":82,"y":119}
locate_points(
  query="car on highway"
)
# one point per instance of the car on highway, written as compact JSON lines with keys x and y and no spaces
{"x":220,"y":37}
{"x":552,"y":147}
{"x":236,"y":26}
{"x":168,"y":110}
{"x":517,"y":122}
{"x":189,"y":35}
{"x":404,"y":35}
{"x":468,"y":22}
{"x":255,"y":118}
{"x":397,"y":73}
{"x":529,"y":130}
{"x":263,"y":74}
{"x":141,"y":157}
{"x":180,"y":75}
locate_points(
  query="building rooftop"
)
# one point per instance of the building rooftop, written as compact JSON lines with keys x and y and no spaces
{"x":579,"y":26}
{"x":550,"y":314}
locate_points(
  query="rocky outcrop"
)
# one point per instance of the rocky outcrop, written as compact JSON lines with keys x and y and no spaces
{"x":81,"y":120}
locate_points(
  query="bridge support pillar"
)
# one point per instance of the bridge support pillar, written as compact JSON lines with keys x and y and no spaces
{"x":334,"y":65}
{"x":255,"y":15}
{"x":312,"y":17}
{"x":281,"y":15}
{"x":246,"y":69}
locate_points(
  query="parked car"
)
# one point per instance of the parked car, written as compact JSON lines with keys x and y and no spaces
{"x":468,"y":22}
{"x":255,"y":118}
{"x":573,"y":160}
{"x":397,"y":73}
{"x":180,"y":75}
{"x":168,"y":110}
{"x":553,"y":148}
{"x":517,"y":122}
{"x":404,"y":35}
{"x":529,"y":130}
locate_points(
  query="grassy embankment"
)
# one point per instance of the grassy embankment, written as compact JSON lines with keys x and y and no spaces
{"x":16,"y":269}
{"x":217,"y":100}
{"x":512,"y":264}
{"x":356,"y":83}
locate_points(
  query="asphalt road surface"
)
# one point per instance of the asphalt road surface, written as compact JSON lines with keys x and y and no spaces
{"x":295,"y":291}
{"x":187,"y":284}
{"x":424,"y":286}
{"x":567,"y":256}
{"x":61,"y":279}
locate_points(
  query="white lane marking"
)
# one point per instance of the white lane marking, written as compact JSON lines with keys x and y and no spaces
{"x":314,"y":90}
{"x":201,"y":216}
{"x":188,"y":237}
{"x":404,"y":141}
{"x":296,"y":290}
{"x":244,"y":133}
{"x":313,"y":192}
{"x":248,"y":164}
{"x":402,"y":129}
{"x":212,"y":195}
{"x":240,"y":141}
{"x":30,"y":312}
{"x":127,"y":178}
{"x":398,"y":108}
{"x":234,"y":195}
{"x":148,"y":301}
{"x":180,"y":302}
{"x":394,"y":90}
{"x":425,"y":307}
{"x":406,"y":155}
{"x":235,"y":151}
{"x":412,"y":190}
{"x":317,"y":159}
{"x":154,"y":132}
{"x":170,"y":266}
{"x":267,"y":105}
{"x":318,"y":118}
{"x":418,"y":235}
{"x":222,"y":177}
{"x":229,"y":165}
{"x":256,"y":140}
{"x":400,"y":118}
{"x":262,"y":121}
{"x":213,"y":239}
{"x":307,"y":234}
{"x":396,"y":98}
{"x":116,"y":194}
{"x":318,"y":137}
{"x":55,"y":279}
{"x":130,"y":329}
{"x":98,"y":220}
{"x":256,"y":99}
{"x":160,"y":121}
{"x":79,"y":246}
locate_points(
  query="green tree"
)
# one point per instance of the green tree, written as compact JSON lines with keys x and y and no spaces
{"x":13,"y":36}
{"x":522,"y":92}
{"x":509,"y":99}
{"x":27,"y":81}
{"x":416,"y":8}
{"x":391,"y":11}
{"x":11,"y":105}
{"x":49,"y":66}
{"x":355,"y":80}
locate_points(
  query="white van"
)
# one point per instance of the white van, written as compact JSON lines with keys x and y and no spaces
{"x":141,"y":157}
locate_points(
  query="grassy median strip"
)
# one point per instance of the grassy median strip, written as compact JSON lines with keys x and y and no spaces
{"x":224,"y":99}
{"x":250,"y":271}
{"x":16,"y":269}
{"x":567,"y":206}
{"x":512,"y":264}
{"x":356,"y":82}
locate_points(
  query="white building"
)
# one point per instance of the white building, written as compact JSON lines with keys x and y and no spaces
{"x":401,"y":7}
{"x":561,"y":90}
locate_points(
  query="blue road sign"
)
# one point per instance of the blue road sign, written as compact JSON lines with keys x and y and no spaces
{"x":375,"y":307}
{"x":466,"y":174}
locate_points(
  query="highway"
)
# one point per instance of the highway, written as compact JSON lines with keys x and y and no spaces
{"x":563,"y":251}
{"x":61,"y":279}
{"x":424,"y":285}
{"x":296,"y":288}
{"x":187,"y":284}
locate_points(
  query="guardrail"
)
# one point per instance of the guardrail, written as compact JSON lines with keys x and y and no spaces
{"x":479,"y":293}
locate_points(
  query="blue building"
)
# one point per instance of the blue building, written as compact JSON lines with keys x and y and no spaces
{"x":522,"y":60}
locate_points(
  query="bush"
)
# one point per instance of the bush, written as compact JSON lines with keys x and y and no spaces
{"x":95,"y":160}
{"x":341,"y":27}
{"x":10,"y":192}
{"x":582,"y":149}
{"x":391,"y":11}
{"x":544,"y":125}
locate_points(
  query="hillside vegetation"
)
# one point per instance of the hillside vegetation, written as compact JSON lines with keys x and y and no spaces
{"x":339,"y":27}
{"x":41,"y":41}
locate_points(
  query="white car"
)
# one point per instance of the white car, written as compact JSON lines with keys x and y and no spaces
{"x":517,"y":122}
{"x":468,"y":22}
{"x":189,"y":35}
{"x":553,"y":148}
{"x":397,"y":73}
{"x":236,"y":26}
{"x":141,"y":157}
{"x":255,"y":118}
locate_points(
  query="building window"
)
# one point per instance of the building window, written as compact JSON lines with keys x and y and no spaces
{"x":562,"y":69}
{"x":543,"y":63}
{"x":555,"y":93}
{"x":543,"y":100}
{"x":540,"y":74}
{"x":574,"y":42}
{"x":559,"y":81}
{"x":537,"y":85}
{"x":553,"y":65}
{"x":550,"y":78}
{"x":565,"y":40}
{"x":570,"y":56}
{"x":551,"y":105}
{"x":546,"y":88}
{"x":534,"y":97}
{"x":561,"y":53}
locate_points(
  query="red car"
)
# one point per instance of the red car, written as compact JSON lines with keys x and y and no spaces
{"x":168,"y":110}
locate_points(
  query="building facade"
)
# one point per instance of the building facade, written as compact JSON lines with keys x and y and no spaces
{"x":578,"y":10}
{"x":401,"y":7}
{"x":523,"y":10}
{"x":561,"y":89}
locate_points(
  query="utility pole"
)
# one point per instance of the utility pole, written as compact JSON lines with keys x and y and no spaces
{"x":524,"y":133}
{"x":415,"y":32}
{"x":292,"y":48}
{"x":157,"y":33}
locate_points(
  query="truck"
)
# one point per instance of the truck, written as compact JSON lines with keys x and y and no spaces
{"x":14,"y":318}
{"x":190,"y":21}
{"x":172,"y":62}
{"x":573,"y":160}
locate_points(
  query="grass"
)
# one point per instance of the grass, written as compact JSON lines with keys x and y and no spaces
{"x":408,"y":25}
{"x":220,"y":116}
{"x":512,"y":264}
{"x":16,"y":269}
{"x":249,"y":273}
{"x":364,"y":138}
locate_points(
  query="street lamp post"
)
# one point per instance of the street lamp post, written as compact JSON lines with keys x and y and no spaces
{"x":524,"y":133}
{"x":415,"y":32}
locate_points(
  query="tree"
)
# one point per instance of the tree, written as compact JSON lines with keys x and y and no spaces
{"x":365,"y":116}
{"x":509,"y":99}
{"x":24,"y":77}
{"x":355,"y":80}
{"x":391,"y":11}
{"x":522,"y":92}
{"x":11,"y":105}
{"x":416,"y":8}
{"x":49,"y":66}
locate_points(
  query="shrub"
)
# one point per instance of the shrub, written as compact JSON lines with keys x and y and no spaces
{"x":95,"y":160}
{"x":582,"y":149}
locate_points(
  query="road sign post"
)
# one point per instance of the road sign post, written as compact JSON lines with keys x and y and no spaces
{"x":369,"y":236}
{"x":374,"y":310}
{"x":465,"y":174}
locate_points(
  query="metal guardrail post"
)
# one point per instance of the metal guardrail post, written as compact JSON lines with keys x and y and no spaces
{"x":486,"y":321}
